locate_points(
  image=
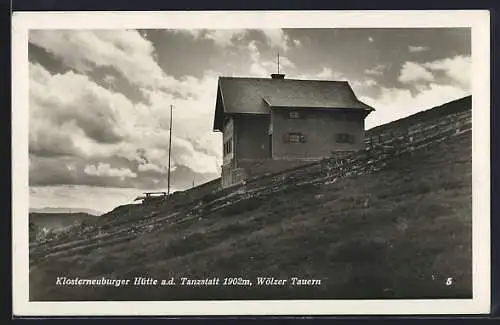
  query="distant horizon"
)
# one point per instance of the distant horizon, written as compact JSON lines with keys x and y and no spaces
{"x":53,"y":209}
{"x":81,"y":197}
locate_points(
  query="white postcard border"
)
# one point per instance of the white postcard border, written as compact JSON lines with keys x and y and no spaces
{"x":477,"y":20}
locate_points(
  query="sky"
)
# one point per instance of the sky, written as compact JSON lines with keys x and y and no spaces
{"x":100,"y":99}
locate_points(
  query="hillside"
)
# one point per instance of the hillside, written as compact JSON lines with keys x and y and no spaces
{"x":45,"y":225}
{"x":393,"y":221}
{"x":58,"y":220}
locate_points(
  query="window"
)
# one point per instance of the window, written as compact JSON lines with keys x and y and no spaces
{"x":344,"y":138}
{"x":228,"y":147}
{"x":294,"y":115}
{"x":295,"y":137}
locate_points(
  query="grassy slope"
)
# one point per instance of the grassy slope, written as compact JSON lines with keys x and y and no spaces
{"x":398,"y":233}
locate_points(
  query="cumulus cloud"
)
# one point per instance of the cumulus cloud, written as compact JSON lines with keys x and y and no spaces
{"x":220,"y":37}
{"x":412,"y":72}
{"x":395,"y":103}
{"x":413,"y":49}
{"x":72,"y":116}
{"x":126,"y":51}
{"x":457,"y":68}
{"x":106,"y":170}
{"x":274,"y":38}
{"x":327,"y":73}
{"x":430,"y":89}
{"x":226,"y":37}
{"x":277,"y":38}
{"x":360,"y":85}
{"x":108,"y":79}
{"x":195,"y":33}
{"x":377,"y":70}
{"x":263,"y":68}
{"x":151,"y":167}
{"x":71,"y":100}
{"x":324,"y":74}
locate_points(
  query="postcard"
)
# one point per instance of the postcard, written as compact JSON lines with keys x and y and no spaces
{"x":251,"y":163}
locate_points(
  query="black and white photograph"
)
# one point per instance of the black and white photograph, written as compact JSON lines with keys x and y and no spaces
{"x":241,"y":162}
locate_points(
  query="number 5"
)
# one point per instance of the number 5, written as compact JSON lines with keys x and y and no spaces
{"x":449,"y":281}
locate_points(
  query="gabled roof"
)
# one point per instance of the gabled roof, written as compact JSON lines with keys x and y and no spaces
{"x":258,"y":95}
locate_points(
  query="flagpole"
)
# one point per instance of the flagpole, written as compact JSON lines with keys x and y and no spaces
{"x":169,"y":150}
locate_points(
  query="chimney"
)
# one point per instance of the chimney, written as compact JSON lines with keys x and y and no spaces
{"x":277,"y":76}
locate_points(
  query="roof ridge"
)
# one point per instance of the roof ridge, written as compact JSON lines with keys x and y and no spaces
{"x":281,"y":80}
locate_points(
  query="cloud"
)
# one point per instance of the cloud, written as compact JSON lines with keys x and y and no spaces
{"x":327,"y":73}
{"x":324,"y":74}
{"x":256,"y":66}
{"x":412,"y":72}
{"x":277,"y":38}
{"x":195,"y":33}
{"x":220,"y":37}
{"x":151,"y":167}
{"x":125,"y":51}
{"x":413,"y":49}
{"x":72,"y":116}
{"x":436,"y":82}
{"x":377,"y":70}
{"x":74,"y":104}
{"x":363,"y":83}
{"x":285,"y":62}
{"x":263,"y":68}
{"x":395,"y":103}
{"x":226,"y":37}
{"x":109,"y":79}
{"x":106,"y":170}
{"x":47,"y":141}
{"x":457,"y":68}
